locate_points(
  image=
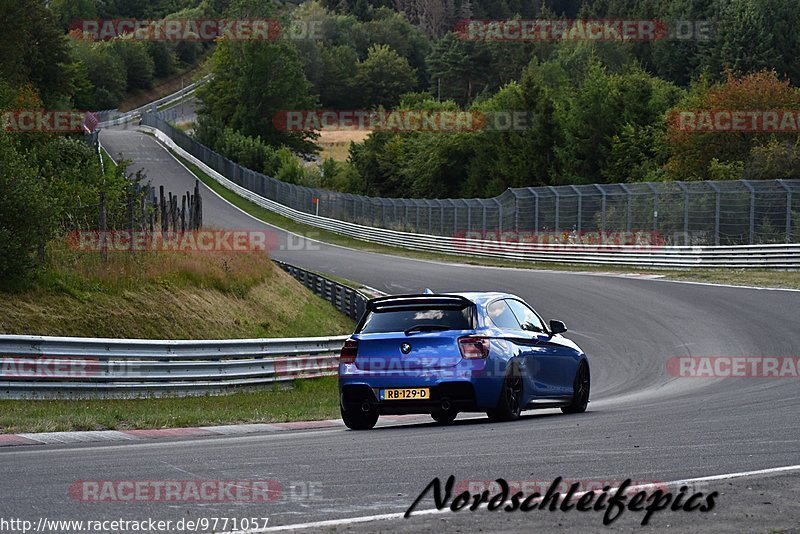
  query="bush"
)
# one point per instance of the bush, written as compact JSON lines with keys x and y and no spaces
{"x":24,"y":220}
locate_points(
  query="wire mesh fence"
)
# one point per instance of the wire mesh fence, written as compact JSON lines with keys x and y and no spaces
{"x":735,"y":212}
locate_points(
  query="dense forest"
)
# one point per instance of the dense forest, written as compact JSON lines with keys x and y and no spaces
{"x":600,"y":111}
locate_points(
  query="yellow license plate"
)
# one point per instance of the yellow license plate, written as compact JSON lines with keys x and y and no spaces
{"x":405,"y":394}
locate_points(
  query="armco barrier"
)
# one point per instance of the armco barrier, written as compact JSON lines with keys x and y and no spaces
{"x":135,"y":114}
{"x":777,"y":256}
{"x":345,"y":299}
{"x":64,"y":367}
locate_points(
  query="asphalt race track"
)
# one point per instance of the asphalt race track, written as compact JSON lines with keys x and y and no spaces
{"x":642,"y":423}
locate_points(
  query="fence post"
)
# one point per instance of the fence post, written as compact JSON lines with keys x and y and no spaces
{"x":130,"y":219}
{"x":558,"y":207}
{"x":162,"y":203}
{"x":788,"y":211}
{"x":628,"y":217}
{"x":103,"y":228}
{"x":685,"y":212}
{"x":183,"y":213}
{"x":602,"y":209}
{"x":499,"y":215}
{"x":717,"y":195}
{"x":580,"y":206}
{"x":752,"y":210}
{"x":655,"y":207}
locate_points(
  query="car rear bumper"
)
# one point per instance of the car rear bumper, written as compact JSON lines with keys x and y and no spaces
{"x":457,"y":396}
{"x":466,"y":387}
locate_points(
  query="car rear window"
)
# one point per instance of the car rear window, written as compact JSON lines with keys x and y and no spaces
{"x":400,"y":320}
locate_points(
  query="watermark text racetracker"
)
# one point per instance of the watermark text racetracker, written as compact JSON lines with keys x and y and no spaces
{"x":190,"y":241}
{"x":605,"y":30}
{"x":734,"y":367}
{"x":524,"y":241}
{"x":48,"y":367}
{"x":48,"y":121}
{"x":735,"y":120}
{"x":209,"y":29}
{"x":416,"y":120}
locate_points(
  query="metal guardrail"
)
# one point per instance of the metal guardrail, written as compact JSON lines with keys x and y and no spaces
{"x":778,"y":256}
{"x":136,"y":113}
{"x":64,"y":367}
{"x":59,"y":367}
{"x":345,"y":299}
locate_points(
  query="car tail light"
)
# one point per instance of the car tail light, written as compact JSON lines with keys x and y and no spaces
{"x":473,"y":348}
{"x":349,"y":351}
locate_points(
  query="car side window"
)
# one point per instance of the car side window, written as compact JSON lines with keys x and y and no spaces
{"x":501,"y":315}
{"x":527,"y":318}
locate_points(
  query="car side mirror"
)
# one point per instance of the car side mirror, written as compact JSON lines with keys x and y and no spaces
{"x":557,"y":327}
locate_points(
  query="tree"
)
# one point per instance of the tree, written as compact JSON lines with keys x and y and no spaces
{"x":383,"y":76}
{"x":105,"y":72}
{"x":458,"y":68}
{"x":691,"y":153}
{"x":34,"y":49}
{"x":589,"y":119}
{"x":252,"y":82}
{"x":139,"y":65}
{"x":742,"y":39}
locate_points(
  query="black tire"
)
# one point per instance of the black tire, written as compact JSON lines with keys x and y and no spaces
{"x":358,"y":419}
{"x":509,"y":406}
{"x":444,"y":418}
{"x":580,"y":389}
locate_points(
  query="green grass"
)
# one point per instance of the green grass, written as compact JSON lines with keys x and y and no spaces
{"x":307,"y":400}
{"x":745,"y":277}
{"x":108,"y":162}
{"x":166,"y":295}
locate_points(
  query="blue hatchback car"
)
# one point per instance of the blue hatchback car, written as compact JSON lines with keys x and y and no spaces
{"x":443,"y":354}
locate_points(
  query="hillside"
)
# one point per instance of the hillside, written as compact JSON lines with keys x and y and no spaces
{"x":166,"y":295}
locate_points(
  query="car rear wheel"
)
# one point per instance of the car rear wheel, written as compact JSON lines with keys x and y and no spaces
{"x":510,"y":404}
{"x":359,"y":419}
{"x":580,"y":388}
{"x":444,"y":418}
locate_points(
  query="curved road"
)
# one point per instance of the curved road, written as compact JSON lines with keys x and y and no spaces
{"x":642,"y":423}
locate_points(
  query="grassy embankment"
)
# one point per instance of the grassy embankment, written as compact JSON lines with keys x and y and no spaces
{"x":168,"y":295}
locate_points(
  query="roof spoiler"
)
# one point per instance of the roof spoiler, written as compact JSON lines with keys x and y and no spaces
{"x":420,"y":300}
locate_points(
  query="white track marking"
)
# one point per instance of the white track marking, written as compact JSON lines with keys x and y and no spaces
{"x":399,"y":515}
